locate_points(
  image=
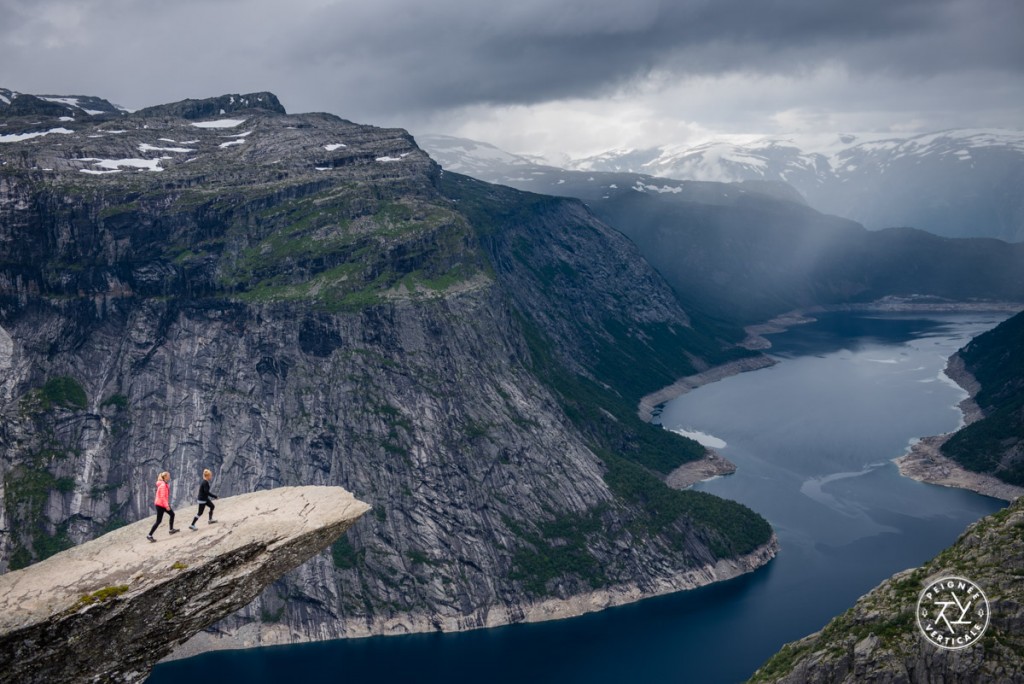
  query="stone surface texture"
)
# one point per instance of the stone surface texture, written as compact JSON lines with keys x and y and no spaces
{"x":109,"y":609}
{"x":878,"y":639}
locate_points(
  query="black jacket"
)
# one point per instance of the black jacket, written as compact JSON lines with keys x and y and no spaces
{"x":204,"y":492}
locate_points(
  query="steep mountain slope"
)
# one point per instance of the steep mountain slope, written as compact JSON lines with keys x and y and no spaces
{"x":878,"y":639}
{"x":751,"y":257}
{"x":745,"y":252}
{"x":957,"y":183}
{"x":995,"y":443}
{"x":297,"y":299}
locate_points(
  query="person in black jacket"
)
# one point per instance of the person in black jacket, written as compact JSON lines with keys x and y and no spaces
{"x":205,"y":499}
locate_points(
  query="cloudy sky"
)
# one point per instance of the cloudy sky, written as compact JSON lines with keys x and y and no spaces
{"x":546,"y":77}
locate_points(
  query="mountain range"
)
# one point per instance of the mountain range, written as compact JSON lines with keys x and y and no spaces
{"x":300,"y":299}
{"x":745,"y":252}
{"x":956,"y":183}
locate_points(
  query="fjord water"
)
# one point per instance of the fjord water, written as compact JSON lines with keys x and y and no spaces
{"x":813,"y":438}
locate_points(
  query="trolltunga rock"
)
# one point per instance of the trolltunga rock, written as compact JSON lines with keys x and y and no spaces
{"x":109,"y":609}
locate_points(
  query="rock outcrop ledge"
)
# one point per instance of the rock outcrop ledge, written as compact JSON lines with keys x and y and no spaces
{"x":879,"y":640}
{"x":109,"y":609}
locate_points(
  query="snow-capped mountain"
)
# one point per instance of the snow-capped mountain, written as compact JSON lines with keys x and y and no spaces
{"x":471,"y":157}
{"x":782,"y":159}
{"x":13,"y":103}
{"x":957,"y":183}
{"x":489,"y":163}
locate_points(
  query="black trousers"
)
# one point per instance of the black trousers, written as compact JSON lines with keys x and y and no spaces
{"x":202,"y":507}
{"x":160,"y":510}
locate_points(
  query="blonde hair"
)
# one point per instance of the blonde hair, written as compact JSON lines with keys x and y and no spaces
{"x":207,"y":473}
{"x":163,"y":476}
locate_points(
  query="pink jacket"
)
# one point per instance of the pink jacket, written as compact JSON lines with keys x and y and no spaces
{"x":163,"y":495}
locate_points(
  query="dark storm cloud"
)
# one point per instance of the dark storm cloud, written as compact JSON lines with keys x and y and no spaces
{"x":454,"y":53}
{"x":390,"y":61}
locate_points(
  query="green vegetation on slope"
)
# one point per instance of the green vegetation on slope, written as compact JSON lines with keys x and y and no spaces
{"x":604,"y":417}
{"x":878,"y":637}
{"x":59,"y":392}
{"x":732,"y":528}
{"x":537,"y":244}
{"x":341,"y":250}
{"x":633,"y":451}
{"x":995,"y":444}
{"x":27,"y":490}
{"x":560,"y":549}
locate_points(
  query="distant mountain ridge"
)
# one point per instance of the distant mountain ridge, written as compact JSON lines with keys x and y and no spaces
{"x":749,"y":251}
{"x":785,"y":157}
{"x":493,"y":165}
{"x":956,"y":183}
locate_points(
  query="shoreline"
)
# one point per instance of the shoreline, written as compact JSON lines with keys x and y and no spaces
{"x":755,"y":340}
{"x":258,"y":635}
{"x":712,"y":465}
{"x":925,"y":462}
{"x":649,"y":405}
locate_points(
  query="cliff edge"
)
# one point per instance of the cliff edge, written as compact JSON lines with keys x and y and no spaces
{"x":879,"y":640}
{"x":109,"y":609}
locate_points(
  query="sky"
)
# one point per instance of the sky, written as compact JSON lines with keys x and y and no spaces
{"x":557,"y":78}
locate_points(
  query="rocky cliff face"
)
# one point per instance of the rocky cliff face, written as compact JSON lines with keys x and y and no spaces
{"x":109,"y":609}
{"x":302,"y":300}
{"x":878,"y":639}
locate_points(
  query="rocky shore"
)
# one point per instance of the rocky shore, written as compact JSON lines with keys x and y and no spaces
{"x":255,"y":634}
{"x":712,"y":465}
{"x":877,"y":639}
{"x":648,"y":407}
{"x":756,"y":339}
{"x":925,"y":462}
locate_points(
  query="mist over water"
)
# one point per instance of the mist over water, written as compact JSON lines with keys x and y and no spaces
{"x":813,"y":438}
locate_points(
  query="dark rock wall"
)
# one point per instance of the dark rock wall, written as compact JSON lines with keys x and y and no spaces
{"x":302,"y":300}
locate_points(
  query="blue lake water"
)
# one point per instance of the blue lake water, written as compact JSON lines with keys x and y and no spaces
{"x":813,"y":438}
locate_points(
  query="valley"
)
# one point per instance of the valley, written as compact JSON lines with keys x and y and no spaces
{"x":296,"y":299}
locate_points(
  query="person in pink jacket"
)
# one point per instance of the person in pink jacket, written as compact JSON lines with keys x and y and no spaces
{"x":162,"y":503}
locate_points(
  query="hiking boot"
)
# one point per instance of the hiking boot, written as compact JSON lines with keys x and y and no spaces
{"x":150,"y":537}
{"x":174,"y":531}
{"x":193,"y":527}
